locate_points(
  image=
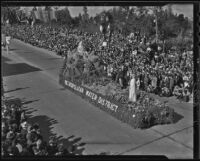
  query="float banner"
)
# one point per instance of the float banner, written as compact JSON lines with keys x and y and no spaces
{"x":92,"y":96}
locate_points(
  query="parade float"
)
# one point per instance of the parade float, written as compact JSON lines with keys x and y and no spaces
{"x":84,"y":73}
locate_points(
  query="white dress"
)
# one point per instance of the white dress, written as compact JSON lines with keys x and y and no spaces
{"x":132,"y":90}
{"x":8,"y":40}
{"x":80,"y":47}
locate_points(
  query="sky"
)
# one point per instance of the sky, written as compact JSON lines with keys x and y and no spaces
{"x":185,"y":9}
{"x":92,"y":11}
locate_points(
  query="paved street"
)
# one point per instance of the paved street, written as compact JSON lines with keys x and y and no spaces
{"x":31,"y":74}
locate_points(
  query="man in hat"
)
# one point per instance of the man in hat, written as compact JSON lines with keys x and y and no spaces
{"x":31,"y":137}
{"x":10,"y":135}
{"x":13,"y":151}
{"x":120,"y":76}
{"x":8,"y":38}
{"x":61,"y":150}
{"x":39,"y":149}
{"x":52,"y":147}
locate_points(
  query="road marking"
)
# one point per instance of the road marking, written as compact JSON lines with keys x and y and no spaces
{"x":164,"y":136}
{"x":168,"y":136}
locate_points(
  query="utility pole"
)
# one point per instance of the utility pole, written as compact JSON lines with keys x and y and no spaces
{"x":56,"y":8}
{"x":156,"y":21}
{"x":49,"y":16}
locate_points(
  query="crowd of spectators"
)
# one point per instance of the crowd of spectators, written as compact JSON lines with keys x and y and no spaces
{"x":166,"y":72}
{"x":21,"y":138}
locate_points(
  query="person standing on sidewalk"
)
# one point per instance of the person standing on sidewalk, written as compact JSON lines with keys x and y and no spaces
{"x":3,"y":40}
{"x":8,"y":38}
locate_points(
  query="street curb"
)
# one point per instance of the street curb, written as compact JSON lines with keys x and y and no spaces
{"x":38,"y":48}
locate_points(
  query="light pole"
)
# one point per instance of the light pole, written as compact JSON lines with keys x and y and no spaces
{"x":156,"y":21}
{"x":56,"y":8}
{"x":46,"y":11}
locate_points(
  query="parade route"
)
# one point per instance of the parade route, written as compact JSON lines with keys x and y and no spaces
{"x":32,"y":74}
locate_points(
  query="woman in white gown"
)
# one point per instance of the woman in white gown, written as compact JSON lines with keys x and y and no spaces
{"x":132,"y":89}
{"x":8,"y":38}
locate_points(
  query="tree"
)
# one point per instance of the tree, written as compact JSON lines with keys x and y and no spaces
{"x":4,"y":14}
{"x":125,"y":9}
{"x":63,"y":16}
{"x":142,"y":10}
{"x":10,"y":13}
{"x":21,"y":15}
{"x":85,"y":14}
{"x":56,"y":11}
{"x":91,"y":20}
{"x":97,"y":19}
{"x":184,"y":25}
{"x":75,"y":21}
{"x":156,"y":13}
{"x":80,"y":18}
{"x":169,"y":10}
{"x":41,"y":17}
{"x":68,"y":14}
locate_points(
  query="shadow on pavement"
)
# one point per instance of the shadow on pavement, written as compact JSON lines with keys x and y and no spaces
{"x":29,"y":111}
{"x":71,"y":143}
{"x":13,"y":100}
{"x":17,"y":89}
{"x":15,"y":69}
{"x":53,"y":58}
{"x":27,"y":52}
{"x":104,"y":153}
{"x":46,"y":123}
{"x":9,"y":97}
{"x":177,"y":117}
{"x":10,"y":49}
{"x":28,"y":102}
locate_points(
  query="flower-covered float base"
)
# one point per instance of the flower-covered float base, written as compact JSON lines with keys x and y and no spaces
{"x":106,"y":95}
